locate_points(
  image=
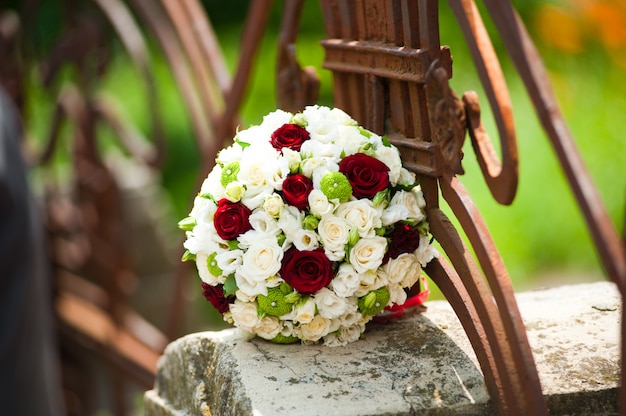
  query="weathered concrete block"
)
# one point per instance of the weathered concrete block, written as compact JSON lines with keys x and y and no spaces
{"x":420,"y":364}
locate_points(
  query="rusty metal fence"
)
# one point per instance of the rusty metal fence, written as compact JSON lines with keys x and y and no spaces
{"x":390,"y":72}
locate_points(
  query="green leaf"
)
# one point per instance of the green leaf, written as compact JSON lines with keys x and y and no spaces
{"x":188,"y":256}
{"x":187,"y":224}
{"x":242,"y":144}
{"x":230,"y":285}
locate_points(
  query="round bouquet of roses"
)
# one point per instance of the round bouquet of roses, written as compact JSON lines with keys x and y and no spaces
{"x":307,"y":227}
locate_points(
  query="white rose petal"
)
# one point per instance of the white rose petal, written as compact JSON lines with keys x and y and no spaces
{"x":346,"y":281}
{"x":329,"y":304}
{"x":244,"y":315}
{"x":361,"y":214}
{"x":263,"y":222}
{"x":319,"y":204}
{"x":371,"y":280}
{"x":304,"y":312}
{"x":404,"y":269}
{"x":273,"y":204}
{"x":390,"y":157}
{"x":250,"y":288}
{"x":426,"y":251}
{"x":397,"y":294}
{"x":351,"y":333}
{"x":334,"y":233}
{"x":305,"y":240}
{"x":367,"y":254}
{"x":229,"y":260}
{"x":316,"y":329}
{"x":275,"y":119}
{"x":402,"y":206}
{"x":261,"y":261}
{"x":268,"y":327}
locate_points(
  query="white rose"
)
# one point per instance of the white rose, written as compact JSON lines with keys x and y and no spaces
{"x":419,"y":195}
{"x":290,"y":221}
{"x":334,"y":233}
{"x":273,"y":204}
{"x":315,"y":329}
{"x":329,"y":305}
{"x":316,"y":167}
{"x":213,"y":183}
{"x":204,"y":238}
{"x":229,"y":260}
{"x":305,"y":240}
{"x":361,"y":214}
{"x":230,"y":154}
{"x":319,"y":204}
{"x":371,"y":280}
{"x":292,"y":158}
{"x":333,"y":340}
{"x":250,"y":288}
{"x":203,"y":270}
{"x":320,"y":123}
{"x":406,"y":177}
{"x":346,"y":281}
{"x":203,"y":210}
{"x":390,"y":157}
{"x":367,"y":254}
{"x":352,"y":315}
{"x":397,"y":294}
{"x":328,"y":152}
{"x":351,"y":333}
{"x":403,"y":205}
{"x":404,"y":269}
{"x":244,"y":315}
{"x":253,"y":136}
{"x":263,"y":222}
{"x":261,"y":261}
{"x":234,"y":191}
{"x":244,"y":296}
{"x":304,"y":312}
{"x":426,"y":251}
{"x":275,"y":119}
{"x":351,"y":139}
{"x":268,"y":327}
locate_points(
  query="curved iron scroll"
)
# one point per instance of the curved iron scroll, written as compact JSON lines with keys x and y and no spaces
{"x":391,"y":74}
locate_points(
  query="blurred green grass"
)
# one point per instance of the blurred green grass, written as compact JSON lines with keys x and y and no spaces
{"x":541,"y":236}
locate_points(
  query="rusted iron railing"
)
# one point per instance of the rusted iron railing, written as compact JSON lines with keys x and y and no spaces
{"x":92,"y":269}
{"x":390,"y":73}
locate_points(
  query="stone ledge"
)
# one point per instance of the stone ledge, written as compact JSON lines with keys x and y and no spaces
{"x":420,"y":364}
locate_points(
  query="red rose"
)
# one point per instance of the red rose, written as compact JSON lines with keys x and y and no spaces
{"x":306,"y":271}
{"x":215,"y":295}
{"x":231,"y":219}
{"x":366,"y":174}
{"x":403,"y":239}
{"x":289,"y":135}
{"x":296,"y":190}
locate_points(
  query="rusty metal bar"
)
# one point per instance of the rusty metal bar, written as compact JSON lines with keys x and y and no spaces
{"x":501,"y":177}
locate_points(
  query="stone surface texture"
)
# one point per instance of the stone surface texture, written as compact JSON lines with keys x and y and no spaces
{"x":418,"y":364}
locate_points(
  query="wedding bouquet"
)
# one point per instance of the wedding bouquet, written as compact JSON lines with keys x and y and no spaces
{"x":308,"y":227}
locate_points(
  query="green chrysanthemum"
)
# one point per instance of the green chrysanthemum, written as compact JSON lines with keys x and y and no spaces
{"x":274,"y":303}
{"x":284,"y":339}
{"x":374,"y":302}
{"x":229,"y":173}
{"x":335,"y":185}
{"x":211,"y":264}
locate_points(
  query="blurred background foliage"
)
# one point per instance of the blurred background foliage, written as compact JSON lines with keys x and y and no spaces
{"x":542,"y":236}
